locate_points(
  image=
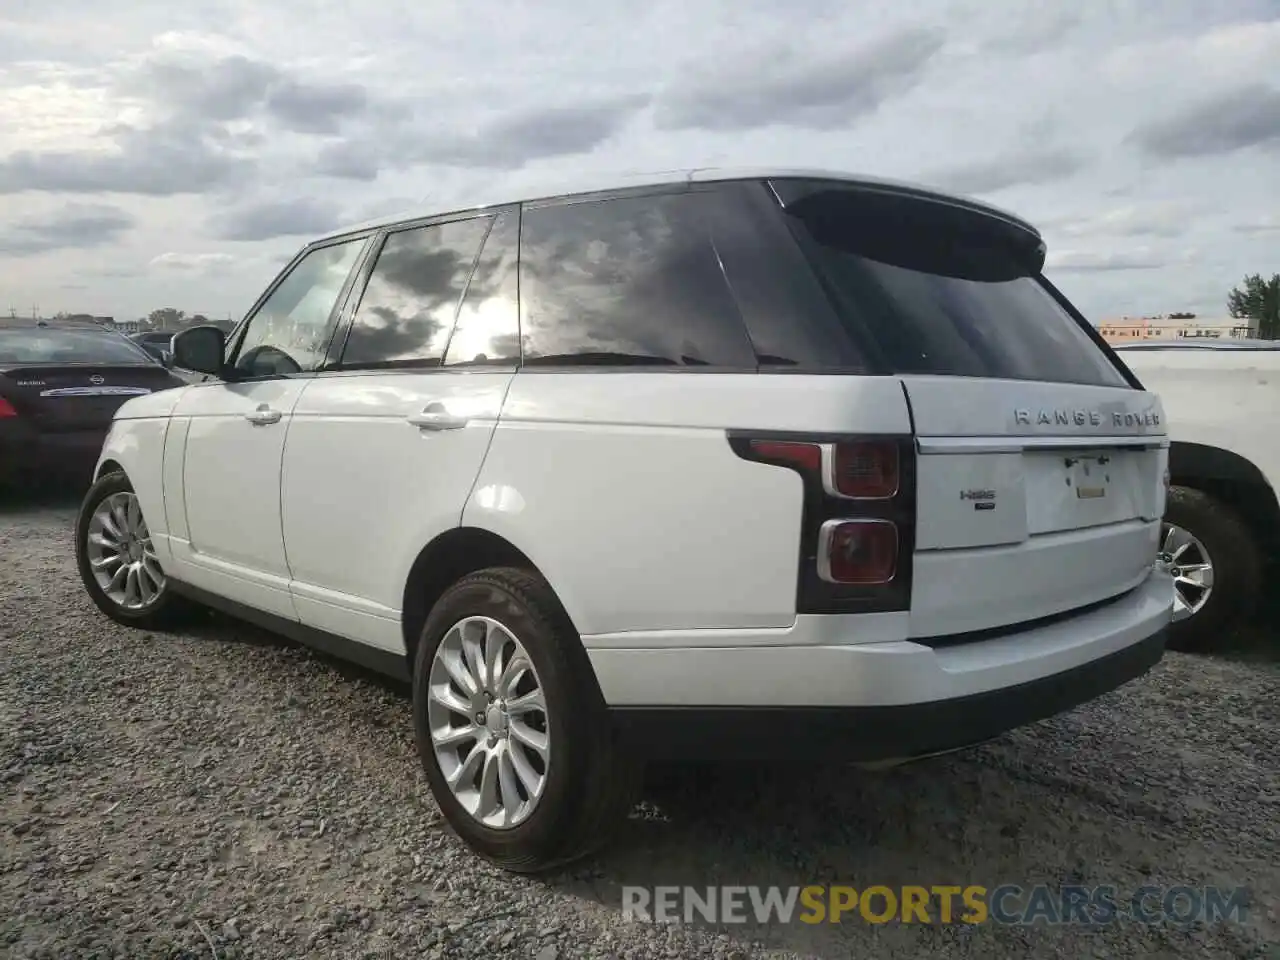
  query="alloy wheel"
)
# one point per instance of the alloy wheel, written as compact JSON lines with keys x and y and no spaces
{"x":120,"y":553}
{"x":490,"y":730}
{"x":1191,"y":567}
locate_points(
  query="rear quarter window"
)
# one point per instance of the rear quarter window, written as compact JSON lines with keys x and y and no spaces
{"x":630,"y":281}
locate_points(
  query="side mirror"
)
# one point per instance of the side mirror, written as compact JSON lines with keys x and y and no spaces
{"x":201,"y":349}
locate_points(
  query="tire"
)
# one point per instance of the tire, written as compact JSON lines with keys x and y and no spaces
{"x":165,"y":609}
{"x":588,"y":784}
{"x":1236,"y":563}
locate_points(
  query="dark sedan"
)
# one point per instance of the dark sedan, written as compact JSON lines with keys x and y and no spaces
{"x":60,"y":385}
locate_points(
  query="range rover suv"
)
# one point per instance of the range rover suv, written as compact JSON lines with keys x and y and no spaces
{"x":732,"y":465}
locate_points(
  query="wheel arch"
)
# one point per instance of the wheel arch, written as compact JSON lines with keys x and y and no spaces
{"x":449,"y":557}
{"x":109,"y":465}
{"x":1231,"y":478}
{"x":136,"y":448}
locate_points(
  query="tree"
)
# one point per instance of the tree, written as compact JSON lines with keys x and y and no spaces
{"x":166,"y":318}
{"x":1259,"y":301}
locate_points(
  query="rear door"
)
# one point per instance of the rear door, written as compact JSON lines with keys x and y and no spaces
{"x":385,"y":447}
{"x":1041,"y":467}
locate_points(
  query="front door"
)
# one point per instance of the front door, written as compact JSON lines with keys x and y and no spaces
{"x":234,"y":433}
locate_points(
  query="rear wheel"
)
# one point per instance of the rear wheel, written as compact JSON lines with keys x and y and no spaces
{"x":117,"y":560}
{"x":1216,"y":566}
{"x":511,"y":728}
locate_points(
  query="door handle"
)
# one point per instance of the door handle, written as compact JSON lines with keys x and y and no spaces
{"x":263,"y":415}
{"x":435,"y":416}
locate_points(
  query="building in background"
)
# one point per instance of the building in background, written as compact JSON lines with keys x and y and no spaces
{"x":1174,"y":327}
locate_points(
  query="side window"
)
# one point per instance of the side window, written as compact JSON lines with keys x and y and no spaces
{"x":628,"y":282}
{"x":407,"y":311}
{"x":488,"y":327}
{"x":291,"y":330}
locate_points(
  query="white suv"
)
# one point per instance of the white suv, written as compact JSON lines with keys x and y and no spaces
{"x":1222,"y":517}
{"x":732,"y":465}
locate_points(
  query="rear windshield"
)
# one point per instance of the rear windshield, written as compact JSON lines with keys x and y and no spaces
{"x":929,"y":288}
{"x":49,"y":345}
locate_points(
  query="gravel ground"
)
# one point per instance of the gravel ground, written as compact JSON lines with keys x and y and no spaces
{"x":225,"y":794}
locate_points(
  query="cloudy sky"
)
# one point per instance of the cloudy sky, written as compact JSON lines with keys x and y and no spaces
{"x":174,"y":154}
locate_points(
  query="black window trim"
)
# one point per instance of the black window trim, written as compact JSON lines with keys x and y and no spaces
{"x":333,"y":365}
{"x":349,"y":301}
{"x":760,"y":193}
{"x":864,"y":341}
{"x":236,"y":340}
{"x":1090,"y":330}
{"x":466,"y":287}
{"x":681,"y":188}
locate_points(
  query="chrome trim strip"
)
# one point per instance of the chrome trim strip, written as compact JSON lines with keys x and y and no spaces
{"x":95,"y":392}
{"x":944,"y":445}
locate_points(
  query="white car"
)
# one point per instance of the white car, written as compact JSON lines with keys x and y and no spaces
{"x":1222,"y":520}
{"x":741,"y":465}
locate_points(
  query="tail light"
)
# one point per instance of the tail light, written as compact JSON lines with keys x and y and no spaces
{"x":807,"y":456}
{"x":863,"y":471}
{"x":858,"y":551}
{"x":6,"y":409}
{"x":858,"y":528}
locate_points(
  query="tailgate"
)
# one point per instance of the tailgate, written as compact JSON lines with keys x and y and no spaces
{"x":1033,"y":498}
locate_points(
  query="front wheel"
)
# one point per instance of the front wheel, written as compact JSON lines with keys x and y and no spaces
{"x":511,"y":727}
{"x":116,"y":558}
{"x":1216,"y":568}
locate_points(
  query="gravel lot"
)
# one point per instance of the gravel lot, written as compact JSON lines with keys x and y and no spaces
{"x":225,"y":794}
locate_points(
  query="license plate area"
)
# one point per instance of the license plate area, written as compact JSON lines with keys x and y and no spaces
{"x":80,"y":412}
{"x":1076,"y":489}
{"x":1089,"y":474}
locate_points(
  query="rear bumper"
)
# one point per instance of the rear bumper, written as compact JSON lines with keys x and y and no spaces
{"x":869,"y":734}
{"x":879,"y":700}
{"x":25,"y":453}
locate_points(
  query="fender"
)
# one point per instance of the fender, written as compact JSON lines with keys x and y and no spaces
{"x":1188,"y":459}
{"x":1230,"y":477}
{"x":448,"y":557}
{"x":135,"y":444}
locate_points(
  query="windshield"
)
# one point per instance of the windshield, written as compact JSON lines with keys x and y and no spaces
{"x":59,"y":345}
{"x":939,"y":290}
